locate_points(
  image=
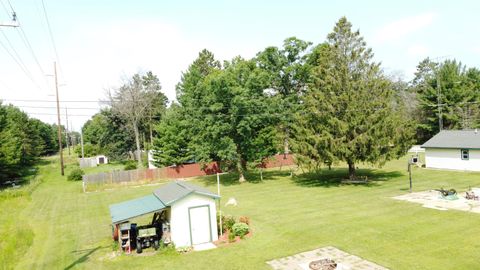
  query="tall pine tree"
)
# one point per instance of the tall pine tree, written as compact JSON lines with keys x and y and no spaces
{"x":349,"y":112}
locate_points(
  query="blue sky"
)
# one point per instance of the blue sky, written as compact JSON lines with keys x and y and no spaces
{"x":101,"y":42}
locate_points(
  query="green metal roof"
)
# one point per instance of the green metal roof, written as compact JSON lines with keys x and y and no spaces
{"x":160,"y":199}
{"x":459,"y":139}
{"x":124,"y":211}
{"x":177,"y":190}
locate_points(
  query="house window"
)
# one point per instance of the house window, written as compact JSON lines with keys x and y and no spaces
{"x":464,"y":154}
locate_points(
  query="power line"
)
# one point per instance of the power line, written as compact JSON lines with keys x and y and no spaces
{"x":18,"y":59}
{"x":15,"y":51}
{"x":51,"y":35}
{"x":43,"y":107}
{"x":54,"y":114}
{"x":10,"y":4}
{"x":5,"y":8}
{"x":24,"y":38}
{"x":48,"y":101}
{"x":157,"y":117}
{"x":26,"y":71}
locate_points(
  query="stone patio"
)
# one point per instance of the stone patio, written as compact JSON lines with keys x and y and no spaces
{"x":432,"y":199}
{"x":344,"y":260}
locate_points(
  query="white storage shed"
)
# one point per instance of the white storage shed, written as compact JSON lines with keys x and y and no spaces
{"x":190,"y":210}
{"x":454,"y":150}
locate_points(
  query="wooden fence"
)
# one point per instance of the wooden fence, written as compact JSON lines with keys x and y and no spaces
{"x":149,"y":175}
{"x":125,"y":176}
{"x":173,"y":172}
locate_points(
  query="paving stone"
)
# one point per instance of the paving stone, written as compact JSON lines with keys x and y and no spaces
{"x":350,"y":261}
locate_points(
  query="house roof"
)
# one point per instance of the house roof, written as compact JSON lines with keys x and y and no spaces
{"x":126,"y":210}
{"x":458,"y":139}
{"x":160,"y":199}
{"x":177,"y":190}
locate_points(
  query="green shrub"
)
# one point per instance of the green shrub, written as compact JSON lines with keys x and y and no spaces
{"x":76,"y":174}
{"x":240,"y":229}
{"x":228,"y":222}
{"x":131,"y":165}
{"x":231,"y":237}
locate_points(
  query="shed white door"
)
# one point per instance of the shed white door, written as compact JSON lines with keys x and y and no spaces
{"x":200,"y":224}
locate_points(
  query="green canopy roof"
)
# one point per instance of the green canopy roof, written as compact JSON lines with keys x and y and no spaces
{"x":160,"y":199}
{"x":124,"y":211}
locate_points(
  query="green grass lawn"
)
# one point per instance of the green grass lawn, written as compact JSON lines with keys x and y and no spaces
{"x":59,"y":227}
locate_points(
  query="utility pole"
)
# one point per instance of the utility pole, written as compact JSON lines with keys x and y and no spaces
{"x":81,"y":141}
{"x":73,"y":138}
{"x":219,"y":204}
{"x":66,"y":131}
{"x":440,"y":120}
{"x":14,"y":22}
{"x":58,"y":120}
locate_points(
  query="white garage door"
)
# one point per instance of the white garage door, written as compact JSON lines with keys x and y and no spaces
{"x":200,"y":224}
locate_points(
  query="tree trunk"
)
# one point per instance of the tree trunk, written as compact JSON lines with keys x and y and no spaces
{"x":137,"y":141}
{"x":286,"y":148}
{"x":240,"y":169}
{"x":151,"y":131}
{"x":351,"y":170}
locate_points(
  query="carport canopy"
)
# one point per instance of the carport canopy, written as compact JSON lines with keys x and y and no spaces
{"x":124,"y":211}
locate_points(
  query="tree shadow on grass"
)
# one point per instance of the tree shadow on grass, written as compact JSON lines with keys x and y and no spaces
{"x":231,"y":178}
{"x":83,"y":258}
{"x":334,"y":177}
{"x":22,"y":175}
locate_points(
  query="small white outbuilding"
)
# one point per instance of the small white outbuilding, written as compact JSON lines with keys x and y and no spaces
{"x":454,"y":150}
{"x":190,"y":211}
{"x":101,"y":159}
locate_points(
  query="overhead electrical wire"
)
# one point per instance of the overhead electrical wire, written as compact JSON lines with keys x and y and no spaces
{"x":15,"y":56}
{"x":63,"y":108}
{"x":54,"y":114}
{"x":22,"y":66}
{"x":14,"y":51}
{"x":51,"y":36}
{"x":51,"y":101}
{"x":240,"y":106}
{"x":5,"y":8}
{"x":24,"y":38}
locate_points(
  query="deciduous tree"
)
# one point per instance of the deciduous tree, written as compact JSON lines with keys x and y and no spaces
{"x":133,"y":101}
{"x":288,"y":73}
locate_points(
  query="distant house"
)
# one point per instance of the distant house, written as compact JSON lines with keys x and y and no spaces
{"x":454,"y":149}
{"x":92,"y":161}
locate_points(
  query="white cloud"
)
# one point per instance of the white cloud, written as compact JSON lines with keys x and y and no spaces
{"x":401,"y":28}
{"x":417,"y":50}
